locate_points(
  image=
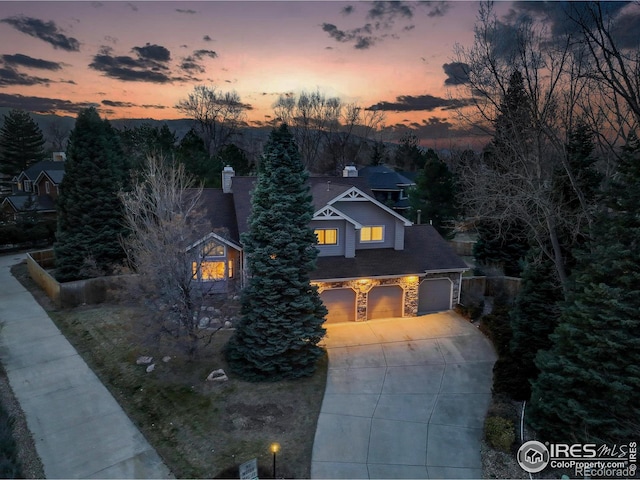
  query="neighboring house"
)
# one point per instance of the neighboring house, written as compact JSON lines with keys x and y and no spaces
{"x":36,"y":188}
{"x":372,"y":263}
{"x":388,"y":186}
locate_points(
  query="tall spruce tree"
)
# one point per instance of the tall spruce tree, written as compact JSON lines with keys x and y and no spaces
{"x":434,"y":194}
{"x":282,"y":314}
{"x":89,"y":210}
{"x":534,"y":317}
{"x":21,"y":143}
{"x":589,"y":380}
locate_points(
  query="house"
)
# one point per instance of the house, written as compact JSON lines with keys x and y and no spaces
{"x":36,"y":188}
{"x":387,"y":185}
{"x":372,"y":263}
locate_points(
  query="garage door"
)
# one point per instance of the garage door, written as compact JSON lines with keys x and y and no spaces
{"x":434,"y":295}
{"x":385,"y":302}
{"x":341,"y":303}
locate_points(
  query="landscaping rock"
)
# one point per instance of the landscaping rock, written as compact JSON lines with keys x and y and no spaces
{"x":166,"y":359}
{"x":217,"y":376}
{"x":144,"y":360}
{"x":211,"y":309}
{"x":151,"y":368}
{"x":228,"y":324}
{"x":204,"y":322}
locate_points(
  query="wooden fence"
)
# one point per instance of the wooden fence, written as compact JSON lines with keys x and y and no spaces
{"x":474,"y":288}
{"x":70,"y":294}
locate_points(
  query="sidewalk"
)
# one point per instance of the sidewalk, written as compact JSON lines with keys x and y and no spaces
{"x":78,"y":428}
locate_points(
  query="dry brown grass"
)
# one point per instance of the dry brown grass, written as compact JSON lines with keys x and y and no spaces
{"x":201,"y":429}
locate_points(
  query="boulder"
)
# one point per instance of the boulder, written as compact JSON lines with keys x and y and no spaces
{"x":144,"y":360}
{"x":204,"y":322}
{"x":228,"y":324}
{"x":217,"y":376}
{"x":151,"y":368}
{"x":166,"y":359}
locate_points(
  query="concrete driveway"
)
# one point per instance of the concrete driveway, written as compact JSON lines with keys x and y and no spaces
{"x":405,"y":398}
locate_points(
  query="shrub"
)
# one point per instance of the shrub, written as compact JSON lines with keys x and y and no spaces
{"x":499,"y":433}
{"x":9,"y":464}
{"x":471,"y":312}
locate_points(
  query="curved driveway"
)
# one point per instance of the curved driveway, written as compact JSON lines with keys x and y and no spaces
{"x":405,"y":398}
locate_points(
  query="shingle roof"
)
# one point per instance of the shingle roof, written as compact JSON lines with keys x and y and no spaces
{"x":424,"y":250}
{"x":322,"y":189}
{"x":55,"y":170}
{"x":42,"y":203}
{"x":380,"y":177}
{"x":221,"y":213}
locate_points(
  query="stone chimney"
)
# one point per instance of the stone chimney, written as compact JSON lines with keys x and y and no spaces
{"x":227,"y":174}
{"x":350,"y":171}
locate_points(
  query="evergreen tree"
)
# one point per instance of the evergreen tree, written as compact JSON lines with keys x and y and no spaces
{"x":502,"y":246}
{"x":379,"y":155}
{"x":192,"y":153}
{"x":589,"y":380}
{"x":434,"y":194}
{"x":21,"y":143}
{"x":236,"y":158}
{"x":89,"y":210}
{"x":534,"y":316}
{"x":408,"y":154}
{"x":513,"y":126}
{"x":282,"y":314}
{"x":139,"y":143}
{"x":586,"y":180}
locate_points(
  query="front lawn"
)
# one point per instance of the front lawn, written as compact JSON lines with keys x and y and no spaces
{"x":201,"y":429}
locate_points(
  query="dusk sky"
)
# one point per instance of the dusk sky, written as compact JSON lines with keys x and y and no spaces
{"x":138,"y":59}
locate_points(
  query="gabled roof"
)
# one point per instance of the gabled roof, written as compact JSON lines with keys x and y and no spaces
{"x":55,"y":170}
{"x":19,"y":201}
{"x":356,"y":194}
{"x":380,"y":177}
{"x":54,"y":175}
{"x":424,"y":251}
{"x":330,"y":213}
{"x":215,"y":236}
{"x":322,"y":189}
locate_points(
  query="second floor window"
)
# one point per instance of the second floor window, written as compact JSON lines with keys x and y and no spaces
{"x":27,"y":185}
{"x":327,"y":236}
{"x":372,"y":234}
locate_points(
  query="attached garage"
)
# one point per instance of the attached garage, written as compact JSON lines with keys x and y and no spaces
{"x":385,"y":302}
{"x":341,"y":303}
{"x":434,"y":295}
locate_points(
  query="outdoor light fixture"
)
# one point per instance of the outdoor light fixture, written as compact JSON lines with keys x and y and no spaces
{"x":275,"y":448}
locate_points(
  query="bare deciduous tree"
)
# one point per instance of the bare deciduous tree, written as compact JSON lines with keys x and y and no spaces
{"x":326,"y":126}
{"x":218,"y":115}
{"x":164,"y":214}
{"x":517,"y":185}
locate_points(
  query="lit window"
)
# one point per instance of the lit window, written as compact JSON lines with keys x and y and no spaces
{"x":209,"y":270}
{"x":327,"y":236}
{"x":372,"y":234}
{"x":230,"y":268}
{"x":213,"y":249}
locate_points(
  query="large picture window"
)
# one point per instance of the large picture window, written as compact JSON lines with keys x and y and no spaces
{"x":209,"y":270}
{"x":327,"y":236}
{"x":372,"y":234}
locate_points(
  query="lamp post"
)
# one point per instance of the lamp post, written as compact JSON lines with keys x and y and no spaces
{"x":275,"y":448}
